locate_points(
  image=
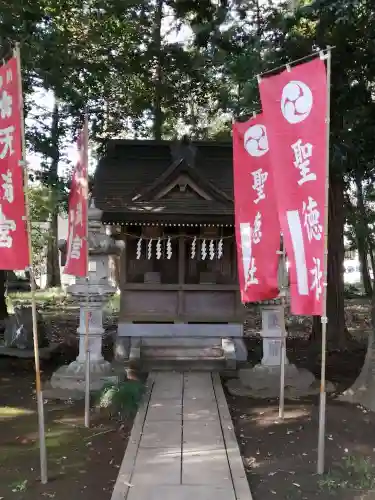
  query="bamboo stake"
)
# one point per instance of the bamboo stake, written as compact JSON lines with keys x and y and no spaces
{"x":87,"y":361}
{"x":283,"y":341}
{"x":38,"y":385}
{"x":324,"y":320}
{"x":87,"y":312}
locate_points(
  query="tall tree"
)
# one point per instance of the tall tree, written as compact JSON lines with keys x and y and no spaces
{"x":281,"y":37}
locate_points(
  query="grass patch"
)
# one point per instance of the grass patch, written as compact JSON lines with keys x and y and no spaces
{"x":19,"y":486}
{"x":113,"y":304}
{"x":356,"y":473}
{"x":68,"y":449}
{"x":7,"y":412}
{"x":53,"y":297}
{"x":121,"y":400}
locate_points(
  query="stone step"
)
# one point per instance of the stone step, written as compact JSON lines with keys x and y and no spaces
{"x":181,"y":352}
{"x":181,"y":342}
{"x":183,"y":364}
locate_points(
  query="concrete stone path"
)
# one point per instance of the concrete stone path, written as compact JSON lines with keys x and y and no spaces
{"x":182,"y":446}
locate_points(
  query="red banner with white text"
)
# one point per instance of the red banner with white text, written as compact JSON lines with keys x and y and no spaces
{"x":14,"y":250}
{"x":256,"y":220}
{"x":294,"y":105}
{"x":77,"y":254}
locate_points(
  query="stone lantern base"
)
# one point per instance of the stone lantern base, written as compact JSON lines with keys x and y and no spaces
{"x":72,"y":377}
{"x":263,"y":380}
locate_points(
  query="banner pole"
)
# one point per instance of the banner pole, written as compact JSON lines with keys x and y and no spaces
{"x":283,"y":341}
{"x":322,"y":53}
{"x":324,"y":320}
{"x":38,"y":385}
{"x":87,"y":361}
{"x":87,"y":313}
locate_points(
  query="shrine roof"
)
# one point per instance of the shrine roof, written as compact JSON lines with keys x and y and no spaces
{"x":163,"y":181}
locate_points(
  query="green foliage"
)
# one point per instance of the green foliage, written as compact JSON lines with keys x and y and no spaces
{"x":122,"y":399}
{"x":356,"y":473}
{"x":120,"y":62}
{"x":40,"y":210}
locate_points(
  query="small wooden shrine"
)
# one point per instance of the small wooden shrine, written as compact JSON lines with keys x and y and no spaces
{"x":172,"y":205}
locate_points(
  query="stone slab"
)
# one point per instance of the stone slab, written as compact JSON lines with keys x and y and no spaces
{"x":163,"y":379}
{"x":167,"y":393}
{"x":62,"y":394}
{"x":241,"y":350}
{"x":198,"y":386}
{"x":202,"y":436}
{"x":167,"y":386}
{"x":181,"y":342}
{"x":205,"y":393}
{"x":157,"y":466}
{"x":44,"y":352}
{"x":229,"y":351}
{"x":126,"y":329}
{"x":197,"y":379}
{"x":239,"y":479}
{"x":200,"y":410}
{"x":198,"y":458}
{"x":122,"y":487}
{"x":77,"y":382}
{"x":206,"y":467}
{"x":164,"y":410}
{"x":161,"y":434}
{"x":180,"y":493}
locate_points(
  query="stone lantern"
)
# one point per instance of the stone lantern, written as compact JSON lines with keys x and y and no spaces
{"x":263,"y":380}
{"x":91,"y":293}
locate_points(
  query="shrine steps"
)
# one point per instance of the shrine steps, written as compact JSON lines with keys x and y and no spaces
{"x":183,"y":354}
{"x":183,"y":364}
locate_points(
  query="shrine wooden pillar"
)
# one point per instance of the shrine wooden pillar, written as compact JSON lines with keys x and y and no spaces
{"x":181,"y":275}
{"x":123,"y":262}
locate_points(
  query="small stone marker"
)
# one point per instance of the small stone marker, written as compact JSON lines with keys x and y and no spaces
{"x":19,"y":329}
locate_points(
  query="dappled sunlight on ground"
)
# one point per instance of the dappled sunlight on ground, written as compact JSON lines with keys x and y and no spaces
{"x":71,"y":421}
{"x":280,"y":455}
{"x":9,"y":412}
{"x":82,"y":463}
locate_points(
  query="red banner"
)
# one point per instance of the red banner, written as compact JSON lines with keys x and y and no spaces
{"x":294,"y":104}
{"x":14,"y":250}
{"x":257,"y":224}
{"x":77,"y":255}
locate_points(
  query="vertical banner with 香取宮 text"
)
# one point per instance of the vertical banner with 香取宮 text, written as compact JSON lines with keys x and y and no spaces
{"x":256,"y":222}
{"x":294,"y":105}
{"x":14,"y":251}
{"x":77,"y":254}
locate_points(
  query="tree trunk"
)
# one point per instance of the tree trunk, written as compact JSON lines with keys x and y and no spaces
{"x":372,"y":259}
{"x":361,"y":229}
{"x":362,"y":255}
{"x":3,"y":302}
{"x":28,"y":277}
{"x":116,"y":270}
{"x":337,"y":334}
{"x":53,"y":267}
{"x":363,"y":390}
{"x":158,"y":112}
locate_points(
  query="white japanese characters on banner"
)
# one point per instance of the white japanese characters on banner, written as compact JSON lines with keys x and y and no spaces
{"x":77,"y":251}
{"x":14,"y":251}
{"x":257,"y":225}
{"x":295,"y":106}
